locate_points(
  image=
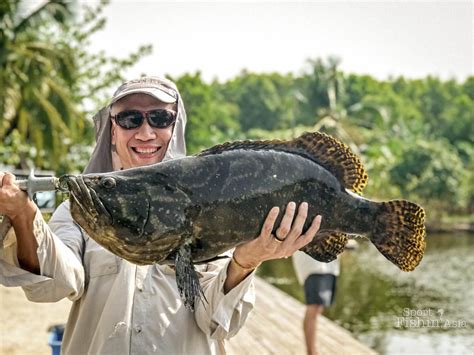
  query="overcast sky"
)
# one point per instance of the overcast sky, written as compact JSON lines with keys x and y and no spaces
{"x":383,"y":39}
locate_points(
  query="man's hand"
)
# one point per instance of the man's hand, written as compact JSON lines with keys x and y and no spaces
{"x":21,"y":210}
{"x":267,"y":246}
{"x":13,"y":202}
{"x":288,"y":239}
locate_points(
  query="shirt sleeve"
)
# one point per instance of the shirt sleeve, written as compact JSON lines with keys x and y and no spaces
{"x":222,"y":315}
{"x":60,"y":247}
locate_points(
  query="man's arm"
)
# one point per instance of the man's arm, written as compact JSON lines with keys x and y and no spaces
{"x":15,"y":204}
{"x":26,"y":241}
{"x":46,"y":262}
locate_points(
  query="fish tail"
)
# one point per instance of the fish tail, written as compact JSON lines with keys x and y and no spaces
{"x":399,"y":233}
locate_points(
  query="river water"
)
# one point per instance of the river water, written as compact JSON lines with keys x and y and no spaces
{"x":427,"y":311}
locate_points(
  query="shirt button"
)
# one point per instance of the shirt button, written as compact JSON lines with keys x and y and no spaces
{"x":138,"y":329}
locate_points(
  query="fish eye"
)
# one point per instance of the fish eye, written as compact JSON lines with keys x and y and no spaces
{"x":108,"y":183}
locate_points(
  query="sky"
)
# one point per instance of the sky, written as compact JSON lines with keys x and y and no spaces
{"x":379,"y":38}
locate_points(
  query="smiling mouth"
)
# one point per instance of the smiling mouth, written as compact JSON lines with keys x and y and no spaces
{"x":146,"y":151}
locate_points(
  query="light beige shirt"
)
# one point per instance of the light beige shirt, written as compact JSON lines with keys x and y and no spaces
{"x":119,"y":307}
{"x":305,"y":265}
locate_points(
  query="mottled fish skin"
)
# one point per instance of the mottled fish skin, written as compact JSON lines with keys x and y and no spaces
{"x":235,"y":190}
{"x":148,"y":220}
{"x":211,"y":202}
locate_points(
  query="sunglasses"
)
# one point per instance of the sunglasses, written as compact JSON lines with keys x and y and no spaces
{"x":158,"y":118}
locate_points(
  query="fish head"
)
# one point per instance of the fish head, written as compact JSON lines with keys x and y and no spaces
{"x":102,"y":203}
{"x":127,"y":214}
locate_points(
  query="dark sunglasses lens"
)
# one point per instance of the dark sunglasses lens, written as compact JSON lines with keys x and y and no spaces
{"x":129,"y":119}
{"x":161,"y":118}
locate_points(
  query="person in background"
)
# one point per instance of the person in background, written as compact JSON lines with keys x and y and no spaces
{"x":319,"y":280}
{"x":119,"y":307}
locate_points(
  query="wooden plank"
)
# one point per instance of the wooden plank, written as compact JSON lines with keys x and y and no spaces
{"x":276,"y":327}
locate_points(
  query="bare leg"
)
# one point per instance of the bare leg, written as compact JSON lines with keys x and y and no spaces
{"x":310,"y":326}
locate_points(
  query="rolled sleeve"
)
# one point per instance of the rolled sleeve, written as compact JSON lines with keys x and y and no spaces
{"x":223,"y":315}
{"x":11,"y":274}
{"x":61,"y":270}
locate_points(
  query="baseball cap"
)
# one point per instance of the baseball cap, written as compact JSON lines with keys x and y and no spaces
{"x":149,"y":85}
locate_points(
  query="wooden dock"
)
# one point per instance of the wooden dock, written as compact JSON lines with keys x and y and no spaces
{"x":275,"y":327}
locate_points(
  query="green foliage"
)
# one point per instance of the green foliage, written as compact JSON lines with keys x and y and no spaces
{"x":468,"y":87}
{"x":431,"y":169}
{"x":210,"y":121}
{"x":50,"y":83}
{"x":456,"y":121}
{"x":321,"y":88}
{"x":264,"y":101}
{"x":414,"y":136}
{"x":34,"y":76}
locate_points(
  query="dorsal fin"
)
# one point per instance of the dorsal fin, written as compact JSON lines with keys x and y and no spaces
{"x":336,"y":157}
{"x":325,"y":150}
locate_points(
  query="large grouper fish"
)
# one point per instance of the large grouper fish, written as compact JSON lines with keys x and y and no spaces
{"x":191,"y":210}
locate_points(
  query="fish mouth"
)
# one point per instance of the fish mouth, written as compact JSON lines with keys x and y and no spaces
{"x":85,"y":198}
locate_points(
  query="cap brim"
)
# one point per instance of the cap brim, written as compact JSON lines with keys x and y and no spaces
{"x":155,"y":92}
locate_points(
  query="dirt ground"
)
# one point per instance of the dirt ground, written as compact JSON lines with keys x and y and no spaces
{"x":24,"y":324}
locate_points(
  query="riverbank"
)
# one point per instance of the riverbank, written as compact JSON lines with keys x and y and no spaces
{"x":448,"y":224}
{"x":458,"y":227}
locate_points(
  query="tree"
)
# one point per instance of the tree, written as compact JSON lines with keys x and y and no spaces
{"x":264,"y":100}
{"x":320,"y":84}
{"x":210,"y":119}
{"x":34,"y":73}
{"x":433,"y":172}
{"x":47,"y":76}
{"x":332,"y":112}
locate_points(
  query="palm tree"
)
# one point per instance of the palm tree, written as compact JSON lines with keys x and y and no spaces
{"x":332,"y":116}
{"x":36,"y":78}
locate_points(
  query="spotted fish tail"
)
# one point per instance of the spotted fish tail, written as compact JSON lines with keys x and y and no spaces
{"x":399,"y":233}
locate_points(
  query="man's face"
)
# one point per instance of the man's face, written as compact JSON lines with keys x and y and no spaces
{"x":144,"y":145}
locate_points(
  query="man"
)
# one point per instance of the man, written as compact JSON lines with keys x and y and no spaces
{"x":119,"y":307}
{"x":319,"y":280}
